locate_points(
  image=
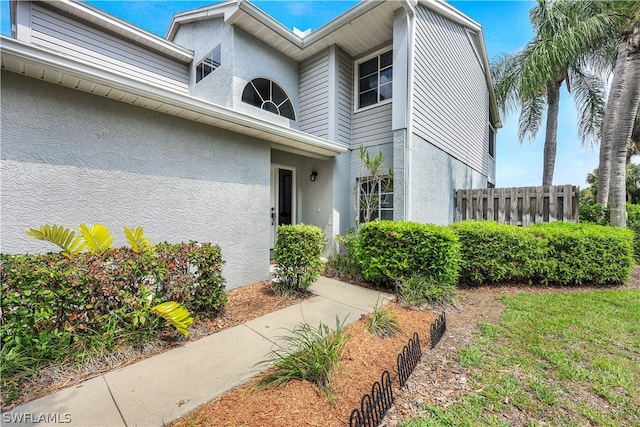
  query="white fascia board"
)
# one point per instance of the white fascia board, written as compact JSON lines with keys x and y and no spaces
{"x":340,"y":21}
{"x":111,"y":23}
{"x":270,"y":23}
{"x":220,"y":10}
{"x":16,"y":50}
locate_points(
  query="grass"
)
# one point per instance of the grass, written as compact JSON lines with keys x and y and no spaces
{"x":566,"y":359}
{"x":383,"y":322}
{"x":310,"y":354}
{"x":419,"y":292}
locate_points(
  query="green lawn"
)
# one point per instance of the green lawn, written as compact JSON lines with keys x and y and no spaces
{"x":569,"y":359}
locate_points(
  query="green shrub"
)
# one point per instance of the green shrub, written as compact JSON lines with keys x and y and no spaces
{"x":418,"y":292}
{"x":58,"y":308}
{"x":297,"y":255}
{"x":308,"y":354}
{"x":191,"y":273}
{"x":392,"y":250}
{"x":492,"y":253}
{"x":556,"y":253}
{"x":587,"y":253}
{"x":594,"y":213}
{"x":598,"y":214}
{"x":344,"y":263}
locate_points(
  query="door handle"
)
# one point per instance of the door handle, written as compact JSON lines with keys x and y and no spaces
{"x":273,"y":216}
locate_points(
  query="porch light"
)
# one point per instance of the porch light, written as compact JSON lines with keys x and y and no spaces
{"x":313,"y":176}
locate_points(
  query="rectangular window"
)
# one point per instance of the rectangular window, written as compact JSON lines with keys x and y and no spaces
{"x":492,"y":142}
{"x":375,"y":79}
{"x":375,"y":198}
{"x":208,"y":64}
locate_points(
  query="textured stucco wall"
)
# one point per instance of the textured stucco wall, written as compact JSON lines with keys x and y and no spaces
{"x":434,"y":177}
{"x":252,"y":59}
{"x":71,"y":158}
{"x":202,"y":37}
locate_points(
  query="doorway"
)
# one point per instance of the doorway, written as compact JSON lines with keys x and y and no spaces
{"x":283,"y":198}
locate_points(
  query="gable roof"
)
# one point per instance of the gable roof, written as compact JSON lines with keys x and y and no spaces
{"x":367,"y":25}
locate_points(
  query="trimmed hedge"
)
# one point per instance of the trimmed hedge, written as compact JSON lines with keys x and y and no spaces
{"x":556,"y":253}
{"x":297,"y":253}
{"x":55,"y":307}
{"x":598,"y":214}
{"x":493,"y":253}
{"x":393,"y":250}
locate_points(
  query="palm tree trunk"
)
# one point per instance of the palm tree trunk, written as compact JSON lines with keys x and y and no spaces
{"x":625,"y":118}
{"x":604,"y":165}
{"x":551,"y":135}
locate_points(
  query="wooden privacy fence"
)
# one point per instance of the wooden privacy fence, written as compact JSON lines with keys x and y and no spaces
{"x":519,"y":205}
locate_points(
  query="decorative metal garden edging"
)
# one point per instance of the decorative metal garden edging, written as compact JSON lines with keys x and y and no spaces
{"x":373,"y":407}
{"x":438,"y":329}
{"x":409,"y":358}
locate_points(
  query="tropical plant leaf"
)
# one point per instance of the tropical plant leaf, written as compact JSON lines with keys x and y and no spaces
{"x":175,"y":314}
{"x":97,"y":239}
{"x":137,"y":240}
{"x":58,"y":235}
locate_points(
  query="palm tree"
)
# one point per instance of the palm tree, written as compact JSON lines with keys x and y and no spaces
{"x":622,"y":109}
{"x":531,"y":80}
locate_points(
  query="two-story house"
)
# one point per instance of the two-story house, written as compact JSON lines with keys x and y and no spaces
{"x":233,"y":124}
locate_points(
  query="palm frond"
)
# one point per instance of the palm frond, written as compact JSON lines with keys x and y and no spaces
{"x":60,"y":236}
{"x":97,"y":239}
{"x":589,"y":97}
{"x":137,"y":240}
{"x":175,"y":314}
{"x":530,"y":118}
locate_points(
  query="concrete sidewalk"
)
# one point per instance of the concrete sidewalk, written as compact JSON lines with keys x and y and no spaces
{"x":163,"y":388}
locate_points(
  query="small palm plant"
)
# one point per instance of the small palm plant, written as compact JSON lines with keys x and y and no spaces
{"x":309,"y":354}
{"x":383,"y":322}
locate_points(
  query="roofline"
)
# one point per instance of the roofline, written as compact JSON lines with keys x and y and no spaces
{"x":124,"y":28}
{"x":16,"y":50}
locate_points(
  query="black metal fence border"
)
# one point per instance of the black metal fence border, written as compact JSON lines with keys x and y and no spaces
{"x":409,"y":358}
{"x":374,"y":406}
{"x":438,"y":329}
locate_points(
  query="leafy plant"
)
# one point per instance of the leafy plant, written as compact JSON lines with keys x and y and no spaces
{"x":344,"y":263}
{"x":175,"y":314}
{"x":391,"y":250}
{"x":58,"y":235}
{"x":309,"y":354}
{"x":97,"y":239}
{"x":418,"y":291}
{"x":297,"y":254}
{"x":373,"y":186}
{"x":137,"y":240}
{"x":383,"y":322}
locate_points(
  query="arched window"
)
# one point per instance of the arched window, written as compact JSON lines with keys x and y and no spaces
{"x":265,"y":94}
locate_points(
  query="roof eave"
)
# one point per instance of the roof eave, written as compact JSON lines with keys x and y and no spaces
{"x":15,"y":55}
{"x":106,"y":21}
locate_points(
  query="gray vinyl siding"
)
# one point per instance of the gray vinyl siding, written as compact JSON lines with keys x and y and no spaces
{"x":372,"y":126}
{"x":58,"y":33}
{"x":314,"y":87}
{"x":345,"y":96}
{"x":451,"y":99}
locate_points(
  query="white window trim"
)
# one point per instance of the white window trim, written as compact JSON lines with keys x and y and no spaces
{"x":203,"y":60}
{"x":356,"y":79}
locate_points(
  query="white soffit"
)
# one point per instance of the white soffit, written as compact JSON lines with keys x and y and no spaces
{"x":24,"y":59}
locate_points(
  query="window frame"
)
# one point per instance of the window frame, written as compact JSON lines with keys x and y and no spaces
{"x":270,"y":100}
{"x":383,"y":200}
{"x":208,"y":61}
{"x":356,"y":80}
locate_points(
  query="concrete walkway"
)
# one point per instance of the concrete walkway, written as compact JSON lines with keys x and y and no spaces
{"x":163,"y":388}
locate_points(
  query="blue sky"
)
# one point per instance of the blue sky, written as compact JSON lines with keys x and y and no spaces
{"x":506,"y":29}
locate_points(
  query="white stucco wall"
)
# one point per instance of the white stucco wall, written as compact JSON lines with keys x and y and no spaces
{"x":434,"y":177}
{"x":70,"y":158}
